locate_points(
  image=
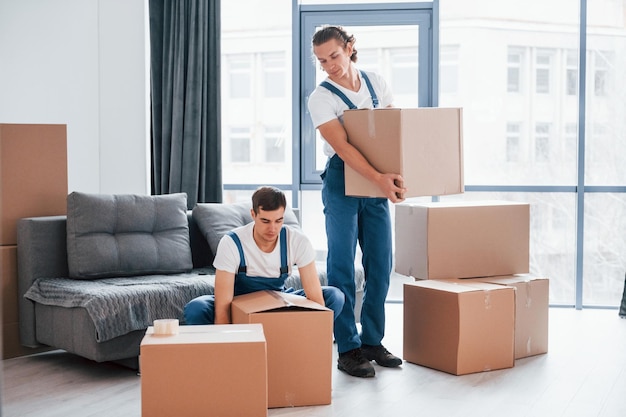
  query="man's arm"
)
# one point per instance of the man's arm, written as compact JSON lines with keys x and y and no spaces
{"x":311,"y":283}
{"x":224,"y":292}
{"x":334,"y":133}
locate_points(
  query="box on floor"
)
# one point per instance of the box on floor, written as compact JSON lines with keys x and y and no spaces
{"x":424,"y":145}
{"x":462,"y":239}
{"x":299,"y":345}
{"x":531,"y":312}
{"x":459,"y":329}
{"x":204,"y":370}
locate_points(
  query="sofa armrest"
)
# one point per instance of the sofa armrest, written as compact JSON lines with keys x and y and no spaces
{"x":41,"y":253}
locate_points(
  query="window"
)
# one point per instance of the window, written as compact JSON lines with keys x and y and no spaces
{"x":274,"y":79}
{"x":571,"y":72}
{"x":513,"y":142}
{"x":239,"y":144}
{"x":542,"y":142}
{"x":570,"y":145}
{"x":543,"y":68}
{"x":601,"y":73}
{"x":515,"y":61}
{"x":240,"y":76}
{"x":274,"y":144}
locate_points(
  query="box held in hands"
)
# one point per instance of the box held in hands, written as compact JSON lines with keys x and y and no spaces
{"x":424,"y":145}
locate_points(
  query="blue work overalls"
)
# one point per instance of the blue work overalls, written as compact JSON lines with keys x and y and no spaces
{"x":348,"y":220}
{"x":201,"y":310}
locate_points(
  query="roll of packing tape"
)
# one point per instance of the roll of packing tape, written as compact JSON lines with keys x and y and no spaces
{"x":166,"y":327}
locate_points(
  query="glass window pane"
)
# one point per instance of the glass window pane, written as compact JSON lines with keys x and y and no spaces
{"x":605,"y":106}
{"x":516,"y":73}
{"x":274,"y":83}
{"x":274,"y":144}
{"x":240,"y":67}
{"x":604,"y":262}
{"x":256,"y":45}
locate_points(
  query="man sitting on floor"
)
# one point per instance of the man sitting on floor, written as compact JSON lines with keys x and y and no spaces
{"x":259,"y":256}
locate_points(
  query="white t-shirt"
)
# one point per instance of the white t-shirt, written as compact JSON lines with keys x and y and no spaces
{"x":300,"y":252}
{"x":325,"y":105}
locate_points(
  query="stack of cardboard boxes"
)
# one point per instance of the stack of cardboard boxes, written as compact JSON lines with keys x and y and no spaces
{"x":473,"y":307}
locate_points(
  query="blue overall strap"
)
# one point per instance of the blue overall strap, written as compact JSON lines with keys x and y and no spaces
{"x":242,"y":260}
{"x":338,"y":92}
{"x":345,"y":99}
{"x":284,"y":268}
{"x":369,"y":87}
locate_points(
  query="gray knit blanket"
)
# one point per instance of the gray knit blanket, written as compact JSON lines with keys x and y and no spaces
{"x":119,"y":306}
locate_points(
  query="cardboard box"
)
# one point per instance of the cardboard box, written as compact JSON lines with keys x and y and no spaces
{"x":531,"y":312}
{"x":299,"y":345}
{"x":457,"y":328}
{"x":462,"y":239}
{"x":424,"y":145}
{"x":33,"y":174}
{"x":204,"y":371}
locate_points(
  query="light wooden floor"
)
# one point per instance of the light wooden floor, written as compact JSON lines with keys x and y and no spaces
{"x":583,"y":375}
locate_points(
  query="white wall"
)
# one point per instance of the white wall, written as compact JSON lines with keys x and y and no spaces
{"x":82,"y":63}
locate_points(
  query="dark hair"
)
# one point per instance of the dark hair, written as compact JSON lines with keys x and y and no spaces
{"x":268,"y":198}
{"x":328,"y":32}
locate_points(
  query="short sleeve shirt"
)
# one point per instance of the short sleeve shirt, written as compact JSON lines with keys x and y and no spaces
{"x":300,"y":252}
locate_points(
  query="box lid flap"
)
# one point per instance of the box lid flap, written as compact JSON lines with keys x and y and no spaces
{"x":261,"y":301}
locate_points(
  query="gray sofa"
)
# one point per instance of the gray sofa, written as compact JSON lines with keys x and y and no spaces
{"x":91,"y":282}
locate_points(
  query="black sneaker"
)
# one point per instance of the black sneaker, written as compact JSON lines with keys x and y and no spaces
{"x":381,"y":356}
{"x":354,"y":363}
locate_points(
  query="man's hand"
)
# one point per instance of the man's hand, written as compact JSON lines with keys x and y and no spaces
{"x":392,"y":185}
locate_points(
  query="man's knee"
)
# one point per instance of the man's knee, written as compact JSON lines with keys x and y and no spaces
{"x":198,"y":311}
{"x":334,"y":298}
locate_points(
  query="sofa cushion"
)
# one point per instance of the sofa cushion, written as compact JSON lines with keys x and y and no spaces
{"x":217,"y":219}
{"x":126,"y":235}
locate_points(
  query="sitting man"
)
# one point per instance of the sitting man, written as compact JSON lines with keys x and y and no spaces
{"x":259,"y":256}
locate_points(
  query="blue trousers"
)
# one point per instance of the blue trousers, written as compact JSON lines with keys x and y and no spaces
{"x":201,"y":310}
{"x":367,"y":221}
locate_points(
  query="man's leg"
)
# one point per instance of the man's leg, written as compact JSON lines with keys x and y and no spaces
{"x":200,"y":310}
{"x":375,"y":240}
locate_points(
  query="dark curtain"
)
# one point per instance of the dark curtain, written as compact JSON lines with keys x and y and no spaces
{"x":185,"y":93}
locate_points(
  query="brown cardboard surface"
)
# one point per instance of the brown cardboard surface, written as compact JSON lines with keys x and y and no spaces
{"x":204,"y":370}
{"x":424,"y":145}
{"x":33,"y":174}
{"x":531,"y":312}
{"x":462,"y":239}
{"x":299,"y":345}
{"x":8,"y":262}
{"x":457,"y":328}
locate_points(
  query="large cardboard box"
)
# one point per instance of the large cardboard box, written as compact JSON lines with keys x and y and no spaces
{"x":531,"y":312}
{"x":457,"y":328}
{"x":424,"y":145}
{"x":33,"y":174}
{"x":299,"y":345}
{"x":462,"y":239}
{"x":204,"y":371}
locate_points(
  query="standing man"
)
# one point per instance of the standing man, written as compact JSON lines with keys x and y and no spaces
{"x":352,"y":219}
